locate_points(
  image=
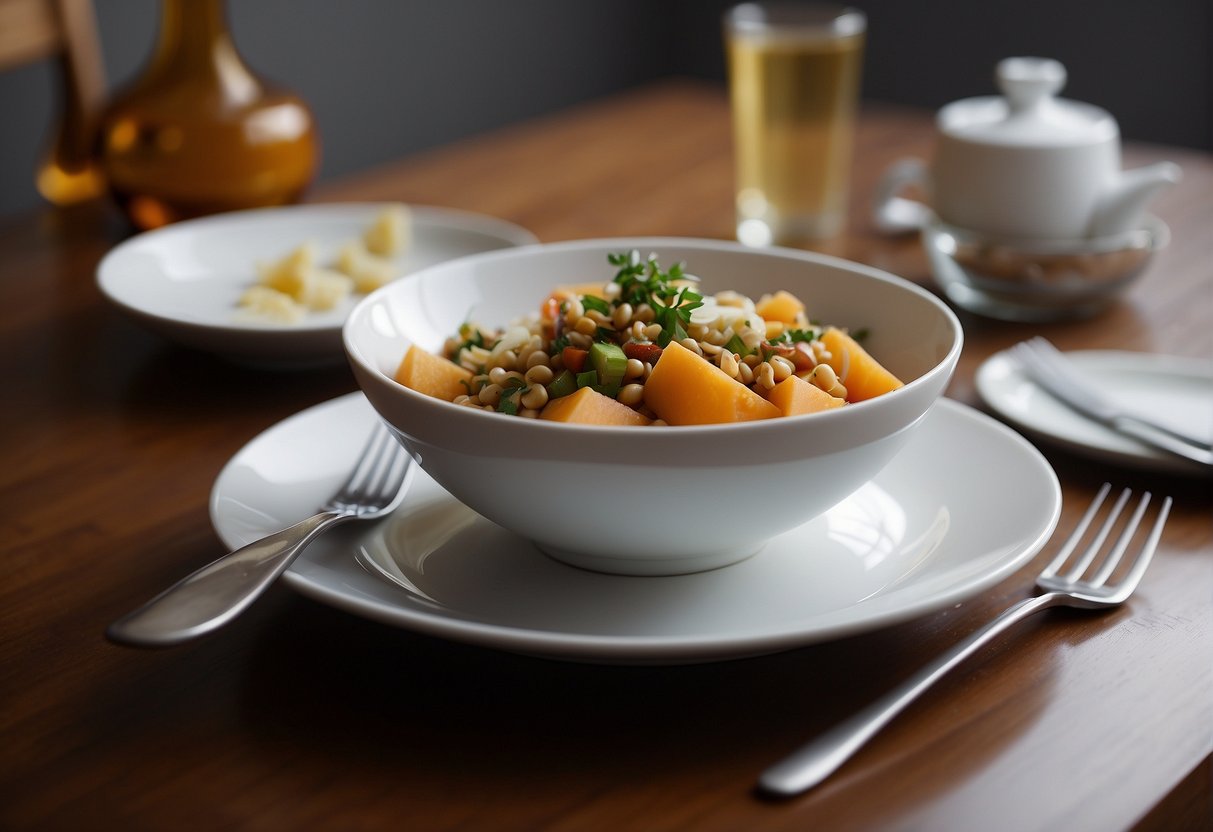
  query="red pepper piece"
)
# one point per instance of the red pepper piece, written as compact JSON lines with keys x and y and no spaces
{"x":648,"y":352}
{"x":574,"y":359}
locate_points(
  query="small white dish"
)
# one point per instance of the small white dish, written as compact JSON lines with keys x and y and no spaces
{"x":932,"y":529}
{"x":1038,"y":281}
{"x":184,"y":280}
{"x":1178,"y":390}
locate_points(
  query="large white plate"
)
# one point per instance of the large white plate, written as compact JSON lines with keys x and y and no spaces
{"x":184,"y":280}
{"x":963,"y":505}
{"x":1178,"y":390}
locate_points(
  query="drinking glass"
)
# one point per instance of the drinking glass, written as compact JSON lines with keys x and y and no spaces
{"x":794,"y":73}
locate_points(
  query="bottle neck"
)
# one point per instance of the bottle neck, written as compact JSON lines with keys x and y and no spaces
{"x":195,"y":44}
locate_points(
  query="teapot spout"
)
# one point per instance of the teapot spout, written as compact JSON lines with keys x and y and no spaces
{"x":1120,"y":209}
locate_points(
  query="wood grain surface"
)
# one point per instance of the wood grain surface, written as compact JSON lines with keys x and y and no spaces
{"x":299,"y":716}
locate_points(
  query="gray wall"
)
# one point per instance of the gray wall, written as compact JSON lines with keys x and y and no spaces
{"x":387,"y":78}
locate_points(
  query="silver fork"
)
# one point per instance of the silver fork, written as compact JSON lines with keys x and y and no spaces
{"x":218,"y":592}
{"x":1049,"y":368}
{"x":818,"y":759}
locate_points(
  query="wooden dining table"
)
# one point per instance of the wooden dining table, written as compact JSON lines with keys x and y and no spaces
{"x":301,"y":716}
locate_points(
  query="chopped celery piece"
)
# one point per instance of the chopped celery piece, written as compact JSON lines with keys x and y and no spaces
{"x":736,"y":345}
{"x":564,"y":384}
{"x":587,"y":379}
{"x":609,"y":362}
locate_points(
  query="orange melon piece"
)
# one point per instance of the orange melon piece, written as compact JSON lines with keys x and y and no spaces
{"x":862,"y":375}
{"x":592,"y":289}
{"x":782,"y":306}
{"x":589,"y":407}
{"x":571,"y":290}
{"x":550,"y":308}
{"x":794,"y":397}
{"x":684,"y":389}
{"x":432,"y":375}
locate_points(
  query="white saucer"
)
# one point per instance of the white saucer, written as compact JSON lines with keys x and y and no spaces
{"x":1176,"y":389}
{"x":965,"y":504}
{"x":184,"y":280}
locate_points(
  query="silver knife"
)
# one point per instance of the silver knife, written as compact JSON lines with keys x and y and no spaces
{"x":1052,"y":371}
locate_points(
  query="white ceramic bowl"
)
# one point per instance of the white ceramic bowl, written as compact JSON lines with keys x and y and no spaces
{"x":652,"y":501}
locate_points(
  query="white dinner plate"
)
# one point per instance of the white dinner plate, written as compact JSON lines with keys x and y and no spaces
{"x":964,"y":505}
{"x":184,"y":280}
{"x":1166,"y":388}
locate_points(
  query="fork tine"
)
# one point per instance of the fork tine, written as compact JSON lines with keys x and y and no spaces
{"x":1048,"y":356}
{"x":1075,"y":536}
{"x":1133,"y":578}
{"x":394,"y":464}
{"x":1113,"y":559}
{"x":382,"y":463}
{"x":379,"y":472}
{"x":1046,"y":359}
{"x":1083,"y":563}
{"x":367,"y":459}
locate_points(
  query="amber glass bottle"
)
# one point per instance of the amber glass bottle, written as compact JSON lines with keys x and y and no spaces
{"x":199,"y":132}
{"x":69,"y":173}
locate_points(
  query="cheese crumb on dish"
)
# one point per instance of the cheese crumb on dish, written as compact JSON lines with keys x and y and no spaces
{"x":390,"y":233}
{"x":368,"y":271}
{"x":264,"y":303}
{"x":298,"y":283}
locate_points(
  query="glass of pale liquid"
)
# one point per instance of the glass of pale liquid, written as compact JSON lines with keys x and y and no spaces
{"x":794,"y":73}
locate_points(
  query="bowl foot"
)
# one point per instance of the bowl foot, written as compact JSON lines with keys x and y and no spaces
{"x":654,"y":565}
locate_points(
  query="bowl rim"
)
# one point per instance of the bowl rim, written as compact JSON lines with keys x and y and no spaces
{"x":533,"y":428}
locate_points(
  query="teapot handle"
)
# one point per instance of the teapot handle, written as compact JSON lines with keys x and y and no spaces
{"x":895,"y":214}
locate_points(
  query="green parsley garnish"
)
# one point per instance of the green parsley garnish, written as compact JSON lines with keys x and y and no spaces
{"x":508,"y":405}
{"x":792,"y":336}
{"x":645,"y":282}
{"x":472,"y":337}
{"x":597,"y":304}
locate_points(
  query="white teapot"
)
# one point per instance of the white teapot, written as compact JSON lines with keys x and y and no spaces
{"x":1025,"y":165}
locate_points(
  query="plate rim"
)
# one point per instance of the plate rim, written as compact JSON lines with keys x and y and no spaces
{"x":107,"y":278}
{"x":642,"y":649}
{"x":1141,"y":457}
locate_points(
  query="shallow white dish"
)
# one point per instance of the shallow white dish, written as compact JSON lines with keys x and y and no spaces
{"x":184,"y":280}
{"x":1177,"y":389}
{"x":932,"y":529}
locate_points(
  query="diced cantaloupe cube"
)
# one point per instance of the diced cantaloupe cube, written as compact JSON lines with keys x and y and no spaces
{"x":594,"y":290}
{"x":432,"y":374}
{"x":549,"y":310}
{"x":589,"y":407}
{"x":794,"y":397}
{"x":684,"y":389}
{"x":782,"y":306}
{"x":862,"y":375}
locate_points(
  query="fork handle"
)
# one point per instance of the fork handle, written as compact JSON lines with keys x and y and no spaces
{"x":215,"y":594}
{"x":818,"y":759}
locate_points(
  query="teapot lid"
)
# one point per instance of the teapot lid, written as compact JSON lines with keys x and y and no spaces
{"x":1028,"y":113}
